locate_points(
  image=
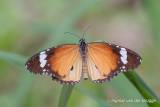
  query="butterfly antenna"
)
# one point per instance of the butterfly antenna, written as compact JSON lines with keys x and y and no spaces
{"x":72,"y":34}
{"x":86,"y":31}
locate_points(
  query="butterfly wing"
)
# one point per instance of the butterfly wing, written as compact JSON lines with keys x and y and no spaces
{"x":56,"y":61}
{"x":106,"y":60}
{"x":74,"y":74}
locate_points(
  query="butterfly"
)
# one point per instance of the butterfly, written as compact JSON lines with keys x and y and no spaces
{"x":67,"y":63}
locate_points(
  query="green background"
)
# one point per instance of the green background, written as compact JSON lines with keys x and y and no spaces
{"x":29,"y":26}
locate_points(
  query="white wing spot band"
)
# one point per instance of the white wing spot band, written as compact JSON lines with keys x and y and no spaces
{"x":123,"y":52}
{"x":42,"y":60}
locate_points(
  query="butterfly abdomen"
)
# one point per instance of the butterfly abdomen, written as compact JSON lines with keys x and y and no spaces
{"x":84,"y":66}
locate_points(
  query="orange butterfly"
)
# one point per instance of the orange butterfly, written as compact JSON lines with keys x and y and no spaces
{"x":67,"y":63}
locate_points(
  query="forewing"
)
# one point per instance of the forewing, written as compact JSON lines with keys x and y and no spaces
{"x":110,"y":59}
{"x":56,"y":61}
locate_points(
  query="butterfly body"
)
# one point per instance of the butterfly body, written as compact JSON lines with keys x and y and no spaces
{"x":83,"y":52}
{"x":67,"y":63}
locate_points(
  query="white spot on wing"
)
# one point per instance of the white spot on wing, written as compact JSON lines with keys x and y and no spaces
{"x":140,"y":60}
{"x":123,"y":49}
{"x":43,"y":52}
{"x":26,"y":66}
{"x":123,"y":52}
{"x":42,"y":60}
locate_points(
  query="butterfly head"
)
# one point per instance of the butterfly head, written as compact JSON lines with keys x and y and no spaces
{"x":82,"y":41}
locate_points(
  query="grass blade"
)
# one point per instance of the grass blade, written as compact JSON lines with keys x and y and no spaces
{"x":65,"y":95}
{"x":142,"y":88}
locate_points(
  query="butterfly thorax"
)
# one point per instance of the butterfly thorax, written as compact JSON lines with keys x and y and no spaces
{"x":83,"y":46}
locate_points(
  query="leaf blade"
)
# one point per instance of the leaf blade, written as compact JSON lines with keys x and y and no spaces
{"x":141,"y":86}
{"x":65,"y":95}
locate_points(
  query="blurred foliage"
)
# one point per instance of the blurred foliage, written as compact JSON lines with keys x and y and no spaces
{"x":29,"y":26}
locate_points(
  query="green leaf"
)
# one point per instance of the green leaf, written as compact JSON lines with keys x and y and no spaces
{"x":144,"y":90}
{"x":65,"y":95}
